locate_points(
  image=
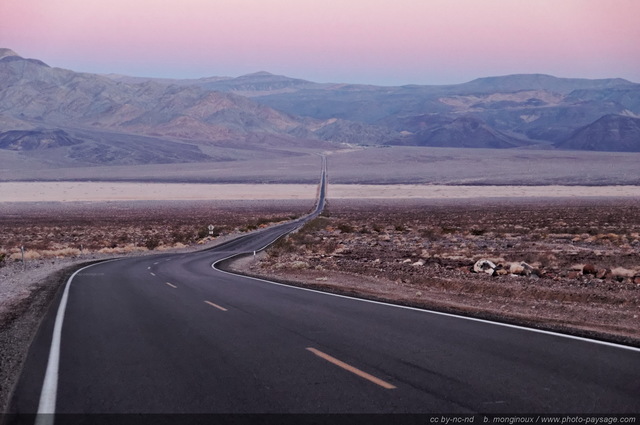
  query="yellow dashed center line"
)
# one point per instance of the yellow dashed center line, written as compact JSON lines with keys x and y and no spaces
{"x":173,"y":286}
{"x":216,"y":306}
{"x":351,"y":369}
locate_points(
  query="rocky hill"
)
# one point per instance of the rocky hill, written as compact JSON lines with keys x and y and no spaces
{"x":34,"y":96}
{"x":20,"y":140}
{"x":32,"y":91}
{"x":462,"y":132}
{"x":538,"y":109}
{"x":613,"y":133}
{"x":265,"y":112}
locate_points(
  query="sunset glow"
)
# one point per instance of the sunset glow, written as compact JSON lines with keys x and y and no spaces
{"x":372,"y":41}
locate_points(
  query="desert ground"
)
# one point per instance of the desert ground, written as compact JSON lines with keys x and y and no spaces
{"x":360,"y":165}
{"x":562,"y":257}
{"x":568,"y":264}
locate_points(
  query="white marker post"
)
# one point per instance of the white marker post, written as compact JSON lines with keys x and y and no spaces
{"x":211,"y":227}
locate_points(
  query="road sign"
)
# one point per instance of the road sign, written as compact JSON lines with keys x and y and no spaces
{"x":211,"y":227}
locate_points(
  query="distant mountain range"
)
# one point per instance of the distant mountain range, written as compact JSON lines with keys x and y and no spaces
{"x":89,"y":119}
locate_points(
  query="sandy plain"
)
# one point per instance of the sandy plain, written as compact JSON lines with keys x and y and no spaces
{"x":122,"y":191}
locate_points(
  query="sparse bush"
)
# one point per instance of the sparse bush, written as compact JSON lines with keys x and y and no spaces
{"x":330,"y":246}
{"x":179,"y":237}
{"x":151,"y":243}
{"x":345,"y":228}
{"x":281,"y":246}
{"x":28,"y":255}
{"x":217,"y":231}
{"x":64,"y":252}
{"x":264,"y":221}
{"x":299,"y":265}
{"x":315,"y":225}
{"x":430,"y":233}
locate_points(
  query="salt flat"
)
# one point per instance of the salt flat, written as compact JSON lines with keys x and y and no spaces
{"x":116,"y":191}
{"x":402,"y":191}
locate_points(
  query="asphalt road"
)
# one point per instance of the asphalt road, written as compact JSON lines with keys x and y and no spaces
{"x":171,"y":334}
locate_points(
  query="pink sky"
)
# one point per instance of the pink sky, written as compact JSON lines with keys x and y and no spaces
{"x":361,"y":41}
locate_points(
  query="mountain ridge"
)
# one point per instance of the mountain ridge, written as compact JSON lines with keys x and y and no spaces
{"x":263,"y":111}
{"x":611,"y":133}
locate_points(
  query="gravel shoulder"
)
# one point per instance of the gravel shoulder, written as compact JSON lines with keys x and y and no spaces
{"x":516,"y":311}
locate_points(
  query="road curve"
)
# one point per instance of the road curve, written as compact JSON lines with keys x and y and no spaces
{"x":171,"y":334}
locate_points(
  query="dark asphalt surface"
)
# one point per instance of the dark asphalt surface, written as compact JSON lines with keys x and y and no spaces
{"x":170,"y":334}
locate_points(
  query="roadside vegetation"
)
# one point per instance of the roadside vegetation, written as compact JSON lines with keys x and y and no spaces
{"x":561,"y":264}
{"x":61,"y":230}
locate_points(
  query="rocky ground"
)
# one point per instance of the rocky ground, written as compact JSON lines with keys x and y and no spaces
{"x":563,"y":264}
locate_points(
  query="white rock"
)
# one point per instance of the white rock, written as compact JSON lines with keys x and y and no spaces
{"x":484,"y":266}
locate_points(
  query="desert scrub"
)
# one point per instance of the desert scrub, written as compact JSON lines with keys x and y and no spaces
{"x":318,"y":223}
{"x":264,"y":221}
{"x":431,"y":233}
{"x":377,"y":228}
{"x":280,"y":247}
{"x":400,"y":228}
{"x":478,"y":232}
{"x":345,"y":228}
{"x":151,"y":243}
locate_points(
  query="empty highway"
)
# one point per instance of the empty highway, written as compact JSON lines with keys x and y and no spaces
{"x":172,"y":334}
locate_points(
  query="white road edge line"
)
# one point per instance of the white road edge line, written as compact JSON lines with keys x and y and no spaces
{"x":49,"y":392}
{"x":48,"y":395}
{"x":440,"y":313}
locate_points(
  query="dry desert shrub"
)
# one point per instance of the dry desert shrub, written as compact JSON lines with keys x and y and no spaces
{"x":28,"y":255}
{"x":281,"y":247}
{"x":549,"y":238}
{"x":63,"y":252}
{"x":127,"y":226}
